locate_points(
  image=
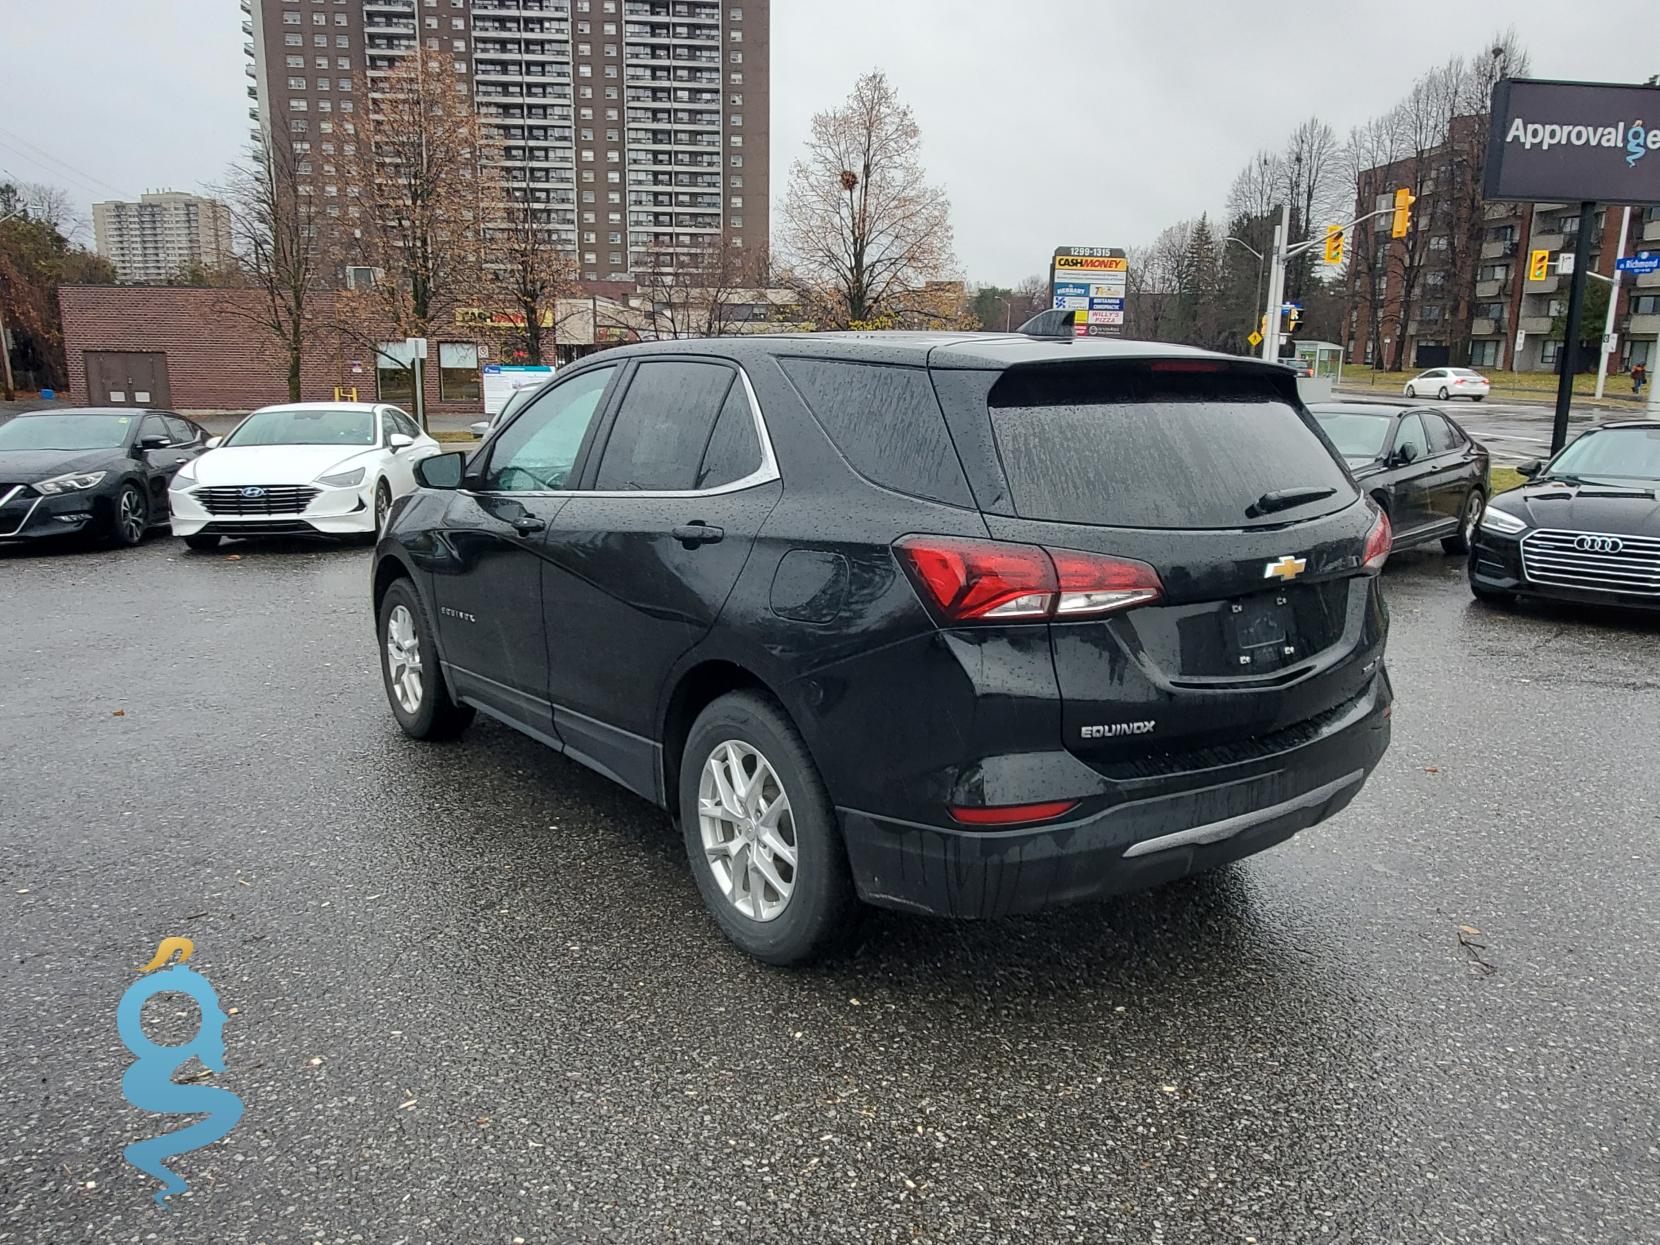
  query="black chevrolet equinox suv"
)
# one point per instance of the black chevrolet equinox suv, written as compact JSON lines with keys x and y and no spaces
{"x":965,"y":624}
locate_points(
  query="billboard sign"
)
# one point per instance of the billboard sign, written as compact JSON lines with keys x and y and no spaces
{"x":1090,"y":281}
{"x":1574,"y":142}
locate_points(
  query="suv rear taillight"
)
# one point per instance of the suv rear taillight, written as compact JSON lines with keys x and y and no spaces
{"x":998,"y":581}
{"x":1378,"y":543}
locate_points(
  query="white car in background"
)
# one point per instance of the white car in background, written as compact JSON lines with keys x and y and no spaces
{"x":1443,"y":383}
{"x":311,"y":468}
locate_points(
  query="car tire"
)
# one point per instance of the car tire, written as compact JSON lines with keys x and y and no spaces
{"x":131,"y":517}
{"x":202,"y":542}
{"x":1478,"y":397}
{"x":416,"y":690}
{"x":750,"y":732}
{"x":383,"y":506}
{"x":1469,"y":518}
{"x":1441,"y":394}
{"x":1411,"y":392}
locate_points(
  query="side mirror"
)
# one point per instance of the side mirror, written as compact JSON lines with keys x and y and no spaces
{"x":399,"y":441}
{"x":153,"y":443}
{"x":441,"y":470}
{"x":480,"y":428}
{"x":1406,"y":454}
{"x":213,"y":442}
{"x":1530,"y":468}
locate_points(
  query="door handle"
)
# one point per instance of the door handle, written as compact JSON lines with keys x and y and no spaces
{"x":179,"y":462}
{"x":696,"y":533}
{"x":526,"y":524}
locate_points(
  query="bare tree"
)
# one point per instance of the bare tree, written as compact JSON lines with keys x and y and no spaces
{"x":1372,"y":150}
{"x":421,"y":197}
{"x":861,"y":221}
{"x":528,"y":268}
{"x":281,"y":252}
{"x":705,"y":293}
{"x":1309,"y":179}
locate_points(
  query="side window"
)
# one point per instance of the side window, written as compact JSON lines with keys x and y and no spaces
{"x":734,"y":448}
{"x":397,"y":421}
{"x":1442,"y":436}
{"x":155,"y":426}
{"x":886,"y":422}
{"x":181,"y":430}
{"x":1412,"y":433}
{"x":536,"y":452}
{"x":663,"y":426}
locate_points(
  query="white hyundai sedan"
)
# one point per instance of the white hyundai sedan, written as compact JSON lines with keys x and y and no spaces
{"x":312,"y":468}
{"x":1449,"y":382}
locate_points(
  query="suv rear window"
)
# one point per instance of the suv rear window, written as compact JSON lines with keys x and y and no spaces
{"x":1135,"y":446}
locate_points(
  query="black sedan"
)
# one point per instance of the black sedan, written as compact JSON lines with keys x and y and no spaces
{"x":1418,"y":464}
{"x":1586,"y":527}
{"x":92,"y":472}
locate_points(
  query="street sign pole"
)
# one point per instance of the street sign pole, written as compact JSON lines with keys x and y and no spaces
{"x":1570,"y":344}
{"x":1613,"y":300}
{"x":1276,"y":285}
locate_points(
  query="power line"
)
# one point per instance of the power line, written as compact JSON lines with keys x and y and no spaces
{"x":45,"y":159}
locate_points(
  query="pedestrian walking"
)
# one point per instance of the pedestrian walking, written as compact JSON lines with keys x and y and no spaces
{"x":1639,"y":377}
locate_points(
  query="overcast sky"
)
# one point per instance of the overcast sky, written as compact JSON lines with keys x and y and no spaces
{"x":1049,"y":122}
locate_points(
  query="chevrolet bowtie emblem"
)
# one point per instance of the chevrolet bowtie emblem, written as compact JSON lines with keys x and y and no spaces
{"x":1286,"y":568}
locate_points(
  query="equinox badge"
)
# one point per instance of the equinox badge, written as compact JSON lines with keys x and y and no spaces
{"x":1287,"y":568}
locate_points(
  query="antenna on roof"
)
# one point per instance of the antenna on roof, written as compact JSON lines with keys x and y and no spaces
{"x":1057,"y":322}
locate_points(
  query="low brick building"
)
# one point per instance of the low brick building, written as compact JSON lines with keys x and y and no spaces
{"x":195,"y":349}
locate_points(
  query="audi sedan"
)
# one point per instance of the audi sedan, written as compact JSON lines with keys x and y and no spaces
{"x":308,"y":469}
{"x":1586,"y":526}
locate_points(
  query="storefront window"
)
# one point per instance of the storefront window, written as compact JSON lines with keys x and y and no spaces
{"x":395,"y":380}
{"x":458,"y":378}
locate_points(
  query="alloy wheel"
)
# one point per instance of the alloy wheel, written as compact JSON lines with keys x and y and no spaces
{"x":1443,"y":394}
{"x":1472,"y":517}
{"x":403,"y":659}
{"x":131,"y":518}
{"x":383,"y":504}
{"x":748,"y":830}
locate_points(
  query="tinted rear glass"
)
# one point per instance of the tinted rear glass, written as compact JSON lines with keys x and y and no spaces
{"x":886,"y":422}
{"x":1127,"y":446}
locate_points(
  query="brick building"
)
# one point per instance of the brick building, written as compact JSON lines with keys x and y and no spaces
{"x":1455,"y":290}
{"x":638,"y":129}
{"x":200,"y":350}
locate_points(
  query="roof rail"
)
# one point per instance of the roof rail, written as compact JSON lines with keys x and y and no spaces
{"x":1057,"y":323}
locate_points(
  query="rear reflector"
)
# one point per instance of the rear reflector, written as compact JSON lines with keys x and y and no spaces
{"x":998,"y":581}
{"x":1012,"y":814}
{"x":1378,"y":544}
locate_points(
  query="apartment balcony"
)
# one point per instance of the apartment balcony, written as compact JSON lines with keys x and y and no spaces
{"x":1648,"y":281}
{"x":1535,"y":324}
{"x":1546,"y":239}
{"x":1644,"y":326}
{"x":388,"y":6}
{"x":251,"y":72}
{"x":248,"y":49}
{"x":1498,"y":250}
{"x":1484,"y":327}
{"x":253,"y":114}
{"x":1502,"y":211}
{"x":1489,"y":289}
{"x":248,"y":29}
{"x":253,"y":91}
{"x":1548,"y":286}
{"x":1651,"y":231}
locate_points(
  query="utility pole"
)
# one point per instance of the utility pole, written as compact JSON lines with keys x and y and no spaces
{"x":1276,"y":285}
{"x":8,"y":391}
{"x":1613,"y":301}
{"x":1570,"y":343}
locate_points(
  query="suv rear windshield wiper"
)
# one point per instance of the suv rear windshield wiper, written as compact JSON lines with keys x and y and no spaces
{"x":1284,"y":499}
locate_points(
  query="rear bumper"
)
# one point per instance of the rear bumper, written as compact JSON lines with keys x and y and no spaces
{"x":1194,"y":822}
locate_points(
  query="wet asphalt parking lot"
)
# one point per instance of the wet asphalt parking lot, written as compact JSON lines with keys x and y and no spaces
{"x":476,"y":998}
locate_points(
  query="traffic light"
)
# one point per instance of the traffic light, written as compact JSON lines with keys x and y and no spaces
{"x":1290,"y":314}
{"x":1404,"y":199}
{"x":1538,"y":265}
{"x":1334,"y":244}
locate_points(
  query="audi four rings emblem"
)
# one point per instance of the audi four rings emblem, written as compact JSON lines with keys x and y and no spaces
{"x":1598,"y":544}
